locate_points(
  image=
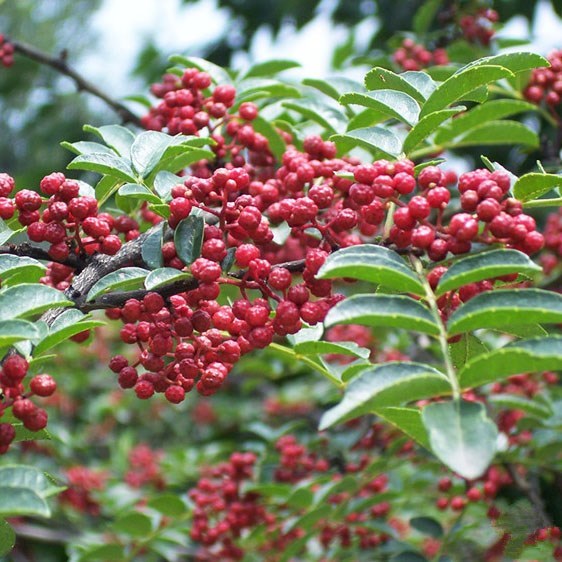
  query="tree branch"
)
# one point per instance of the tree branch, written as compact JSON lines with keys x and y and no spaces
{"x":531,"y":493}
{"x":27,"y":250}
{"x":60,"y":65}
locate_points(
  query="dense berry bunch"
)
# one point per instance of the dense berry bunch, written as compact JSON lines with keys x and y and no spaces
{"x":224,"y":511}
{"x":552,"y":242}
{"x":6,"y":52}
{"x":68,"y":222}
{"x":412,"y":56}
{"x":144,"y":468}
{"x":14,"y":395}
{"x":192,"y":103}
{"x":480,"y":26}
{"x":83,"y":482}
{"x":545,"y":84}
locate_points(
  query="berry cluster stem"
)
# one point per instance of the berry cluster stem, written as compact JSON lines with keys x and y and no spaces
{"x":442,"y":337}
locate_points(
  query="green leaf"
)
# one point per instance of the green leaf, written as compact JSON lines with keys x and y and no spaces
{"x":23,"y":491}
{"x":177,"y":158}
{"x":29,"y":299}
{"x":137,"y":191}
{"x":164,"y":276}
{"x":407,"y":420}
{"x":461,"y":84}
{"x":164,"y":182}
{"x":538,"y":354}
{"x":271,"y":67}
{"x":420,"y":80}
{"x":117,"y":137}
{"x":425,"y":15}
{"x":68,"y":324}
{"x":104,"y":164}
{"x":395,"y":104}
{"x":427,"y":126}
{"x":325,"y":347}
{"x":383,"y":310}
{"x":218,"y":74}
{"x":309,"y":518}
{"x":27,"y":268}
{"x":102,"y":553}
{"x":12,"y":331}
{"x":334,"y":86}
{"x":188,"y":238}
{"x":378,"y":140}
{"x":418,"y":85}
{"x":149,"y":148}
{"x":531,"y":186}
{"x":124,"y":279}
{"x":151,"y":249}
{"x":86,"y":147}
{"x":515,"y":62}
{"x":427,"y":526}
{"x":134,"y":524}
{"x":461,"y":436}
{"x":374,"y":264}
{"x":326,"y":115}
{"x":514,"y":402}
{"x":24,"y":434}
{"x":105,"y":188}
{"x":498,"y":132}
{"x":389,"y":384}
{"x":486,"y":265}
{"x":468,"y":347}
{"x":168,"y":504}
{"x":276,"y":143}
{"x":252,"y":89}
{"x":7,"y":537}
{"x":493,"y":110}
{"x":496,"y":309}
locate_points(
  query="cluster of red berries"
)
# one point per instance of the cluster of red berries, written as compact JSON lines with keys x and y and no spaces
{"x":224,"y":510}
{"x":83,"y":482}
{"x":185,"y":108}
{"x":412,"y":56}
{"x":489,"y":217}
{"x":6,"y":52}
{"x":190,"y":104}
{"x":144,"y":468}
{"x":486,"y":489}
{"x":545,"y":534}
{"x":70,"y":223}
{"x":552,"y":242}
{"x":479,"y":28}
{"x":545,"y":84}
{"x":13,"y":394}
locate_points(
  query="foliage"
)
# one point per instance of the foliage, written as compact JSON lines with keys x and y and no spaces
{"x":332,"y":346}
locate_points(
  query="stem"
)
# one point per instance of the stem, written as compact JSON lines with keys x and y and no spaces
{"x":442,"y":337}
{"x":537,"y":203}
{"x":288,"y":352}
{"x":427,"y":151}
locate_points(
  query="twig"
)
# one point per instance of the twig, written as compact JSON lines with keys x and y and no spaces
{"x":531,"y":493}
{"x":43,"y":534}
{"x":27,"y":250}
{"x":60,"y":65}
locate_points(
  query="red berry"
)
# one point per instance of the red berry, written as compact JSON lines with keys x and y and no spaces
{"x":43,"y":385}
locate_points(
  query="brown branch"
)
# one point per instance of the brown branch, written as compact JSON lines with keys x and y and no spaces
{"x":60,"y":65}
{"x":43,"y":534}
{"x":531,"y":492}
{"x":27,"y":250}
